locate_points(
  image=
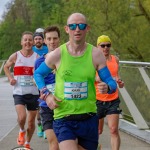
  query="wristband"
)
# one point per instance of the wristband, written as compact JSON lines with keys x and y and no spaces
{"x":46,"y":92}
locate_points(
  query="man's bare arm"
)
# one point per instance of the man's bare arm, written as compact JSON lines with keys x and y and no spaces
{"x":53,"y":59}
{"x":10,"y":62}
{"x":99,"y":59}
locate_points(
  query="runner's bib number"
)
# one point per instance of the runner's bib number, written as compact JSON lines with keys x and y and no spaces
{"x":76,"y":90}
{"x":26,"y":81}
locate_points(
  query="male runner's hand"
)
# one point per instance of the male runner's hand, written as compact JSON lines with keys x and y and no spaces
{"x":12,"y":81}
{"x":120,"y":83}
{"x":103,"y":87}
{"x":51,"y":101}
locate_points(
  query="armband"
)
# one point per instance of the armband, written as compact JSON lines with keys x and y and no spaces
{"x":40,"y":73}
{"x":106,"y":77}
{"x":46,"y":92}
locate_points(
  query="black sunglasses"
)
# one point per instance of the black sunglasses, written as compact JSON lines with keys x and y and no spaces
{"x":107,"y":45}
{"x":73,"y":26}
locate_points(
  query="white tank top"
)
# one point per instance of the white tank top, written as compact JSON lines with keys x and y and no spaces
{"x":23,"y":73}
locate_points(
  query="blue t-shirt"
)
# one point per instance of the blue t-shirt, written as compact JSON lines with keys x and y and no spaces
{"x":40,"y":51}
{"x":50,"y":79}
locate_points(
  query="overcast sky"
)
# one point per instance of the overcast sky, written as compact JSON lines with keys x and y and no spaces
{"x":2,"y":6}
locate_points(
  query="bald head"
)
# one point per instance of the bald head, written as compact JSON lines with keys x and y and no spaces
{"x":76,"y":18}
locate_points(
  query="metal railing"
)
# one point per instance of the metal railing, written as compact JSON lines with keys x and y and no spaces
{"x":136,"y":93}
{"x":2,"y":62}
{"x":145,"y":64}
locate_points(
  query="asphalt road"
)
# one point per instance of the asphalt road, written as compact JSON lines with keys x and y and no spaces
{"x":9,"y":128}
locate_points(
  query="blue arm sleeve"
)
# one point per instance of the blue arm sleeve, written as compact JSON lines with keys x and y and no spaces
{"x":40,"y":73}
{"x":106,"y":77}
{"x":39,"y":61}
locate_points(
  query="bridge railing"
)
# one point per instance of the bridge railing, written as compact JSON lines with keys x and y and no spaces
{"x":2,"y":62}
{"x":135,"y":96}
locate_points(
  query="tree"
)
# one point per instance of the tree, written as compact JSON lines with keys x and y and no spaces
{"x":126,"y":22}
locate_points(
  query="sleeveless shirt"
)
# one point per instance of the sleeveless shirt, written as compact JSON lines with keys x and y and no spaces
{"x":113,"y":68}
{"x":23,"y":73}
{"x":75,"y":83}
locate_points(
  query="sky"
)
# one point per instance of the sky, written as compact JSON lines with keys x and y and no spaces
{"x":2,"y":7}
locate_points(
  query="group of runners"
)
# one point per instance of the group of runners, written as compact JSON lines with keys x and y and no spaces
{"x":73,"y":86}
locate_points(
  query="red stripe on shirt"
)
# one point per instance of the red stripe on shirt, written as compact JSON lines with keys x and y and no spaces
{"x":23,"y":70}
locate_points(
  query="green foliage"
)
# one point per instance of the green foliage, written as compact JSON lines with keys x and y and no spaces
{"x":127,"y":22}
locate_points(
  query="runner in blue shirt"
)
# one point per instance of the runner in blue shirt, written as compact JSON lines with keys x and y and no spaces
{"x":52,"y":38}
{"x":39,"y":47}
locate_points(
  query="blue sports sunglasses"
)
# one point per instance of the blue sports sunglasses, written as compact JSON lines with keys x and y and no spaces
{"x":73,"y":26}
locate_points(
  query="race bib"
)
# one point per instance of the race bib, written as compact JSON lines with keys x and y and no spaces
{"x":26,"y":81}
{"x":51,"y":87}
{"x":76,"y":90}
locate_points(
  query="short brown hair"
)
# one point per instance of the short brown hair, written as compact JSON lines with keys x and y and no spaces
{"x":51,"y":29}
{"x":26,"y":32}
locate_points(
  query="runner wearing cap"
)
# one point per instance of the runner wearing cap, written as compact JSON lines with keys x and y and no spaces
{"x":38,"y":47}
{"x":108,"y":104}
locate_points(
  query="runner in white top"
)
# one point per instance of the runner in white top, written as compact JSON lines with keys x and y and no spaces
{"x":25,"y":92}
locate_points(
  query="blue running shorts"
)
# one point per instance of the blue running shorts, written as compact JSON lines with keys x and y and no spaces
{"x":85,"y":131}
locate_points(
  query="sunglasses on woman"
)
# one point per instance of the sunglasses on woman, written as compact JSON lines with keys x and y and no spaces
{"x":107,"y":45}
{"x":73,"y":26}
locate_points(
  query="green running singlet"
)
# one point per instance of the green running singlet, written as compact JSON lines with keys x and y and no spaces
{"x":75,"y":79}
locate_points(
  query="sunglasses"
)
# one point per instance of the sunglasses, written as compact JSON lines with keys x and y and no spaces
{"x":107,"y":45}
{"x":73,"y":26}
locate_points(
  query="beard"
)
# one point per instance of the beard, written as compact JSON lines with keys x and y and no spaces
{"x":38,"y":45}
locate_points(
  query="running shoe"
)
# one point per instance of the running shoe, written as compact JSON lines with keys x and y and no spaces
{"x":44,"y":135}
{"x":27,"y":146}
{"x":21,"y":138}
{"x":39,"y":131}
